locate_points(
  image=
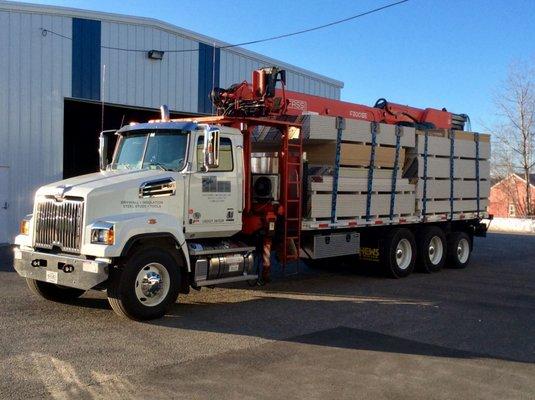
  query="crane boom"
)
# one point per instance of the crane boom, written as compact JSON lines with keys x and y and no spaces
{"x":262,"y":98}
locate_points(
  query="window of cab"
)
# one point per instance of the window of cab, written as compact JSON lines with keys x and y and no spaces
{"x":226,"y":162}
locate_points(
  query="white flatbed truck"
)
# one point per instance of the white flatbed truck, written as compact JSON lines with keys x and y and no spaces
{"x":181,"y":205}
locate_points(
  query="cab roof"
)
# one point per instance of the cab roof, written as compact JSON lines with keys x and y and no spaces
{"x":179,"y":125}
{"x":185,"y":126}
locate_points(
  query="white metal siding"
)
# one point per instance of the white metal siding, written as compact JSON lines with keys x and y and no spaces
{"x":236,"y":67}
{"x":35,"y":77}
{"x":134,"y":79}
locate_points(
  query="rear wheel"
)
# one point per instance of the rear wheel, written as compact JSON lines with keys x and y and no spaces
{"x":459,"y":249}
{"x":147,"y":285}
{"x":398,"y":253}
{"x":53,"y":292}
{"x":431,"y":249}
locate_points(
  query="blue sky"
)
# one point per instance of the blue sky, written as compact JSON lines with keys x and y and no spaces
{"x":426,"y":53}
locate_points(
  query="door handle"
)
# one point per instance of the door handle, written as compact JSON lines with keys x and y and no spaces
{"x":5,"y":206}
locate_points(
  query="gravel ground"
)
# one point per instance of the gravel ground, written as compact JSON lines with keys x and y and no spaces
{"x":340,"y":332}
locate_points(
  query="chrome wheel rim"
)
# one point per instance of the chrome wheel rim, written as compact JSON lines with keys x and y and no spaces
{"x":463,"y":250}
{"x":435,"y":250}
{"x":152,"y":284}
{"x":403,"y":254}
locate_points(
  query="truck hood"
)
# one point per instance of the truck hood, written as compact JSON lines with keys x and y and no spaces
{"x":115,"y":180}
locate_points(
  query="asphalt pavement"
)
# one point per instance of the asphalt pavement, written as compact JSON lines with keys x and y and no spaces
{"x":342,"y":332}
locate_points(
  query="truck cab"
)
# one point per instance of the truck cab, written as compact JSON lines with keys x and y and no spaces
{"x":160,"y":216}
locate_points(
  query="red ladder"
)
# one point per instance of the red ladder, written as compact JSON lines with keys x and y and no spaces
{"x":291,"y":184}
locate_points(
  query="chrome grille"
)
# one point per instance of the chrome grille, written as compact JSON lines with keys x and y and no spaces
{"x":59,"y":224}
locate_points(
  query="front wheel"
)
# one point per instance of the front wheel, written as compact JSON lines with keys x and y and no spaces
{"x":147,"y":285}
{"x":53,"y":292}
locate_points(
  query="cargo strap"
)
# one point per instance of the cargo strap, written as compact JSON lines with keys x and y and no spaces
{"x":424,"y":194}
{"x":476,"y":137}
{"x":370,"y":170}
{"x":452,"y":170}
{"x":399,"y":132}
{"x":340,"y":126}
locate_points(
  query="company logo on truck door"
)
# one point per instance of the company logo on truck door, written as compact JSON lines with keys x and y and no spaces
{"x":210,"y":184}
{"x":214,"y":190}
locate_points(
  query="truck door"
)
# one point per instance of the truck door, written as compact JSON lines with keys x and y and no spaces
{"x":215,"y":196}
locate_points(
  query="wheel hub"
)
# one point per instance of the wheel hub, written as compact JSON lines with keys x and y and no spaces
{"x":463,"y":250}
{"x":435,"y":250}
{"x":152,"y":284}
{"x":403,"y":254}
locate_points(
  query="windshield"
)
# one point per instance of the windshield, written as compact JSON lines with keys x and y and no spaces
{"x":158,"y":149}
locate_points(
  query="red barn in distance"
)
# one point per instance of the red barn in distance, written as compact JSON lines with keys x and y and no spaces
{"x":508,"y":197}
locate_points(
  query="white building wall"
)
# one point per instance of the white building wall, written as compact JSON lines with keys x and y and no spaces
{"x":236,"y":67}
{"x":133,"y":79}
{"x":35,"y":76}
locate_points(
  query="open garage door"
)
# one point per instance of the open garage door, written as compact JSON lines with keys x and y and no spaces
{"x":82,"y":126}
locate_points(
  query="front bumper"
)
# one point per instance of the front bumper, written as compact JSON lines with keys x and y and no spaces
{"x":64,"y":270}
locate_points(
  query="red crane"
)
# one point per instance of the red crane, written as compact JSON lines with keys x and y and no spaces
{"x":262,"y":98}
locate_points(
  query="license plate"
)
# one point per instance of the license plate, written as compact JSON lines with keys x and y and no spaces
{"x":90,"y":266}
{"x":51,"y":276}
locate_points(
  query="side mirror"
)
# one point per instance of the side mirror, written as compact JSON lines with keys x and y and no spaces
{"x":211,"y":148}
{"x":103,"y":148}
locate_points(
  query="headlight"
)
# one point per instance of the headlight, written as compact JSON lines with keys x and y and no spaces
{"x":103,"y":233}
{"x":25,"y":225}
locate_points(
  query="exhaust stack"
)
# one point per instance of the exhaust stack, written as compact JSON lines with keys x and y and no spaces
{"x":164,"y":111}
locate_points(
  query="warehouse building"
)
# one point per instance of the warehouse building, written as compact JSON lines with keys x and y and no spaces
{"x":59,"y":65}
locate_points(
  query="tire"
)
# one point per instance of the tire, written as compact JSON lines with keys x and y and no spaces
{"x":52,"y":292}
{"x":432,"y":249}
{"x":132,"y":299}
{"x":398,"y":253}
{"x":459,"y":249}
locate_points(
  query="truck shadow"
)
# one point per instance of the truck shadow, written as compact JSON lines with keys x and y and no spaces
{"x":6,"y":258}
{"x":352,"y":310}
{"x":330,"y":320}
{"x":354,"y":313}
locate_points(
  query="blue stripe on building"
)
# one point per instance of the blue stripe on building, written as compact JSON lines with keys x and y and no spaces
{"x":208,"y":76}
{"x":86,"y":58}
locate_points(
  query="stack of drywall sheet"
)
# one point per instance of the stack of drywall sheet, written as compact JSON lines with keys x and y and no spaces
{"x":321,"y":128}
{"x":352,"y":197}
{"x":320,"y":137}
{"x":437,"y":179}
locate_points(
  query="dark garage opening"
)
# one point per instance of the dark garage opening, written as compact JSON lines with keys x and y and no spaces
{"x":82,"y":126}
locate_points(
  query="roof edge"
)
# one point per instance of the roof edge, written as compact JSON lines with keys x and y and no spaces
{"x":513,"y":175}
{"x":121,"y":18}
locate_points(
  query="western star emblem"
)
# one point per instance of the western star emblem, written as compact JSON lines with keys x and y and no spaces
{"x":59,"y":193}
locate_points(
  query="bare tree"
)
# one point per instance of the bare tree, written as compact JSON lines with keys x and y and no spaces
{"x":515,"y":135}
